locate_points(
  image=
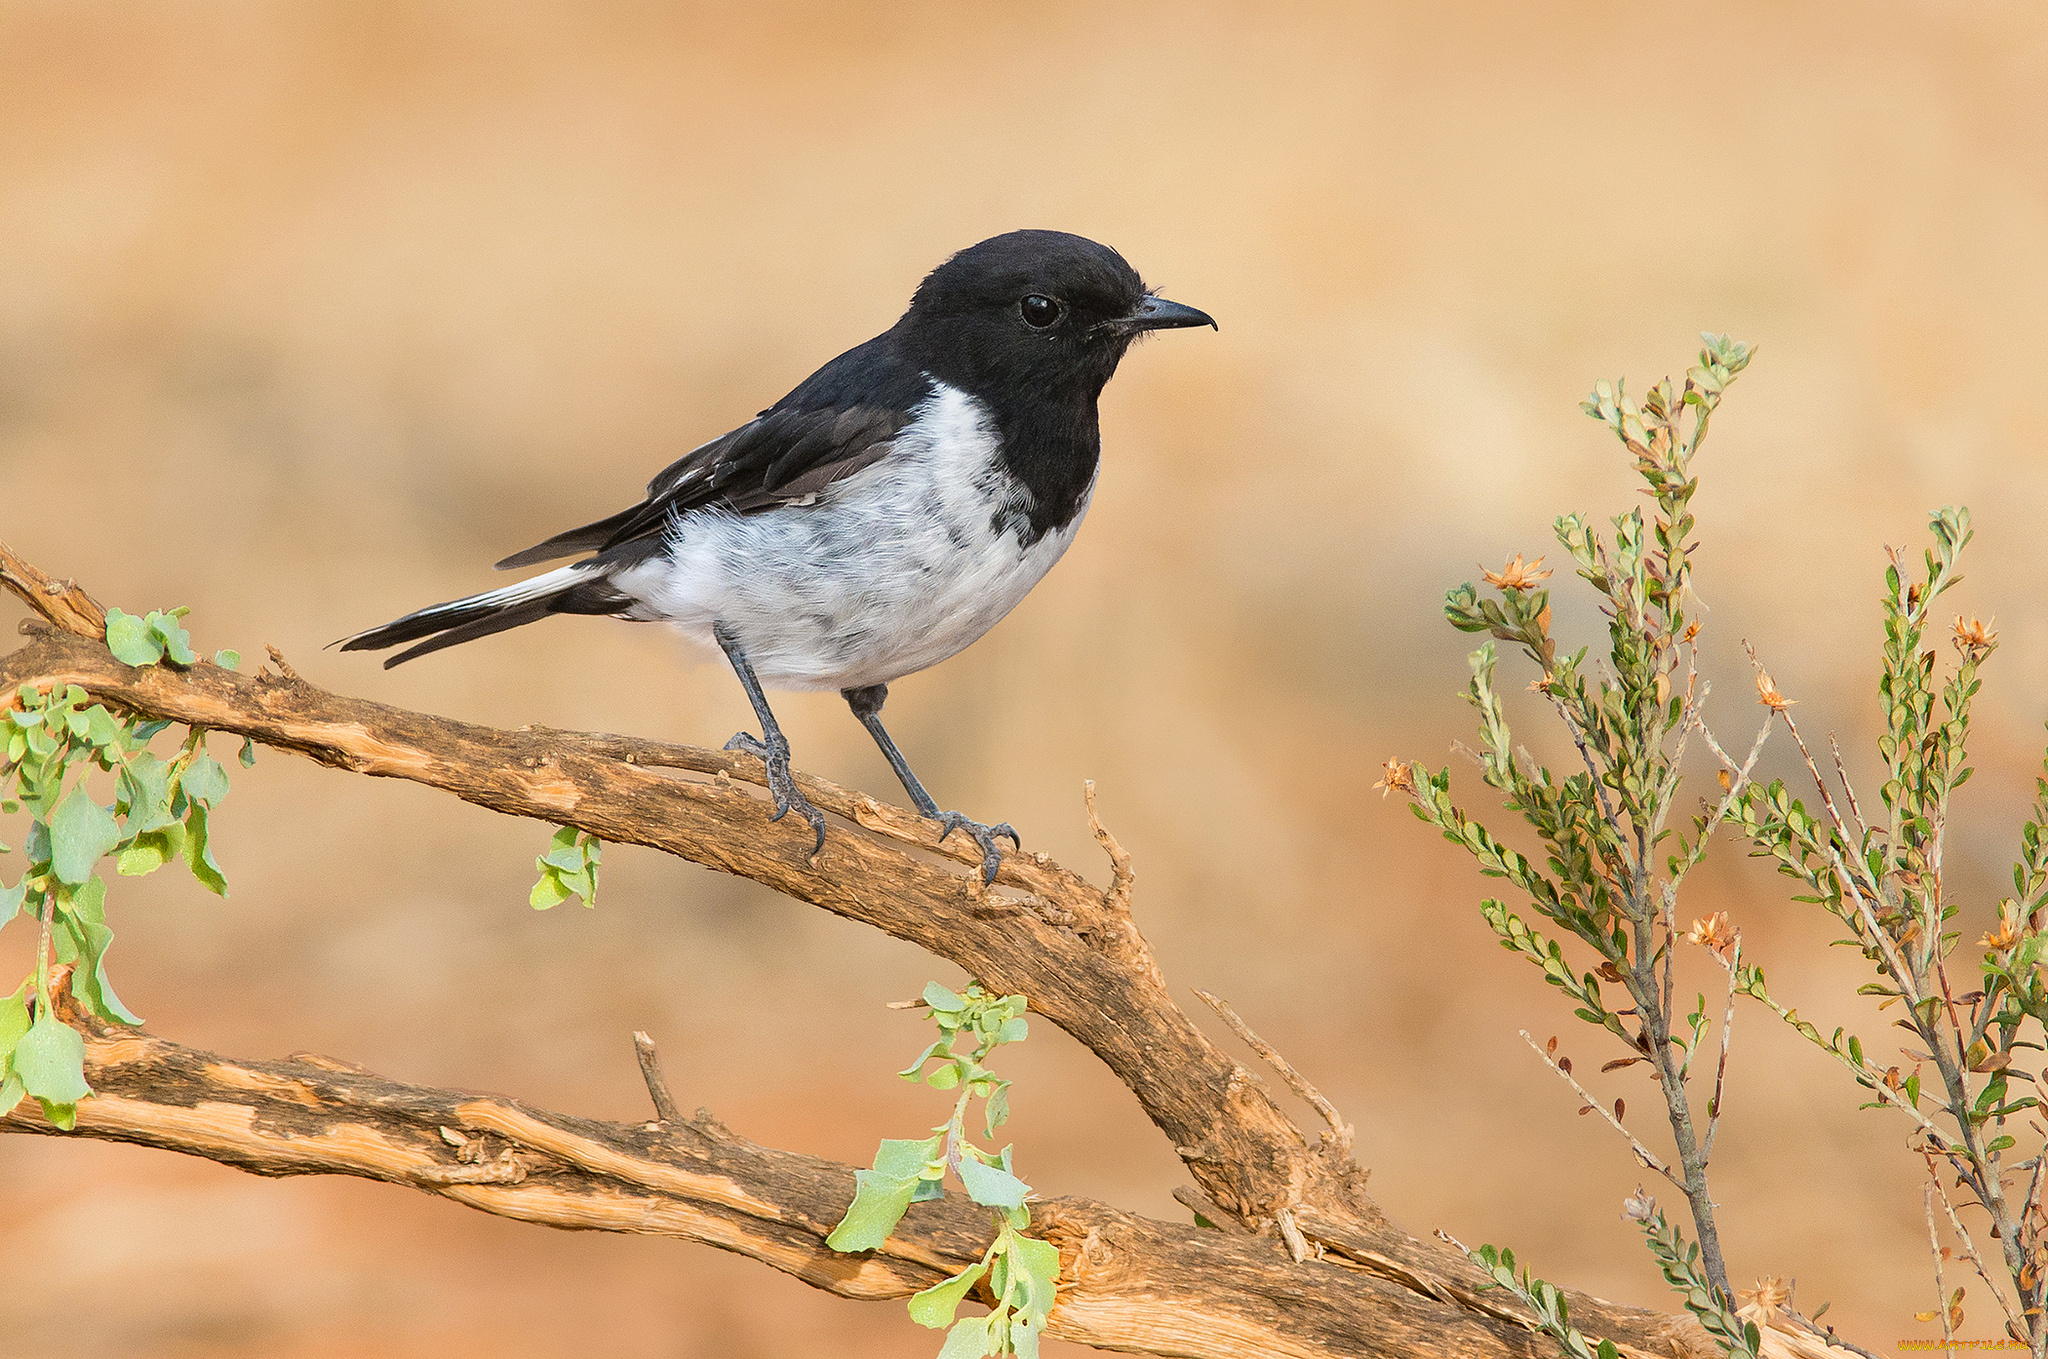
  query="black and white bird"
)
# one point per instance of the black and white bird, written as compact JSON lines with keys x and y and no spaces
{"x":879,"y":518}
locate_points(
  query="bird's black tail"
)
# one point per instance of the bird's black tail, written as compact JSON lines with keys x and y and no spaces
{"x":582,"y":588}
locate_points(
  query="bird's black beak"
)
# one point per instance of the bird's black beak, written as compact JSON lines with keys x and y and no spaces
{"x":1156,"y":313}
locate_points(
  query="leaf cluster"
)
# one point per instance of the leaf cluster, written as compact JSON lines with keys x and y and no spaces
{"x":1612,"y":860}
{"x":1882,"y":882}
{"x":51,"y":744}
{"x":154,"y":637}
{"x":568,"y":869}
{"x":1680,"y":1262}
{"x":1544,"y":1300}
{"x":1018,"y":1274}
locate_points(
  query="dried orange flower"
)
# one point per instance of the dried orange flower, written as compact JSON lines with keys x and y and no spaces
{"x":1516,"y":575}
{"x":1542,"y":685}
{"x":1714,"y":932}
{"x":1768,"y":1297}
{"x":1974,"y":637}
{"x":1399,"y":778}
{"x":2008,"y":932}
{"x":1768,"y":695}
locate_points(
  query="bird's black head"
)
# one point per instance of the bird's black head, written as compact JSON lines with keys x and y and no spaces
{"x":1042,"y":314}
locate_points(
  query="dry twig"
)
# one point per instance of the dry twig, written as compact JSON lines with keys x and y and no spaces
{"x":1296,"y":1082}
{"x":1649,"y":1159}
{"x":665,"y":1110}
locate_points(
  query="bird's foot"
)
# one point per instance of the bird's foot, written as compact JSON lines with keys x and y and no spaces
{"x":781,"y":783}
{"x":985,"y":836}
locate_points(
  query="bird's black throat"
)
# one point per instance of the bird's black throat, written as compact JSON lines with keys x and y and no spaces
{"x":1051,"y":448}
{"x":1042,"y":399}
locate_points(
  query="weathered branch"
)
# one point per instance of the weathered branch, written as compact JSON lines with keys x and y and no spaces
{"x":1042,"y":931}
{"x":60,"y":601}
{"x":1046,"y":933}
{"x":1125,"y":1283}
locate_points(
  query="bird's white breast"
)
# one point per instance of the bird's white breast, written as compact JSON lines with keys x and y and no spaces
{"x":892,"y":570}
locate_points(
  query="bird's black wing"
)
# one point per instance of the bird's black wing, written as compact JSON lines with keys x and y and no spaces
{"x":843,"y":418}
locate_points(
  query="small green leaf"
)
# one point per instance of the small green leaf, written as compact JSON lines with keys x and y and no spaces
{"x":101,"y":727}
{"x":10,"y":900}
{"x":998,"y":1111}
{"x":882,"y":1194}
{"x":939,"y":998}
{"x":226,"y":659}
{"x":902,"y":1156}
{"x":199,"y":855}
{"x":50,"y":1061}
{"x":936,"y":1305}
{"x":548,"y":892}
{"x":1035,"y":1263}
{"x":14,"y":1022}
{"x":569,"y":860}
{"x":63,"y":1117}
{"x":909,"y":1073}
{"x":151,"y":851}
{"x":992,"y":1186}
{"x":129,"y":638}
{"x":204,"y":781}
{"x":248,"y":755}
{"x":81,"y":831}
{"x":176,"y":642}
{"x":967,"y":1340}
{"x":86,"y":922}
{"x":879,"y":1202}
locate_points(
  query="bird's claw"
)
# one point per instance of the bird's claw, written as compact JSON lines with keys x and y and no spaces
{"x":985,"y":836}
{"x":781,"y":782}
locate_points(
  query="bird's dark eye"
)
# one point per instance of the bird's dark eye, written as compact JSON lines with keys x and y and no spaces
{"x":1039,"y":311}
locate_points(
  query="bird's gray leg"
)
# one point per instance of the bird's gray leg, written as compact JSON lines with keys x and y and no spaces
{"x":771,"y":748}
{"x":867,"y":706}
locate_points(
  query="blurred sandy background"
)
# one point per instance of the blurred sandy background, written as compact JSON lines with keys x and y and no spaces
{"x":310,"y":311}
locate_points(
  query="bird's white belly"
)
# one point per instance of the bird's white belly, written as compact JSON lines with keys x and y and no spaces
{"x":892,"y":570}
